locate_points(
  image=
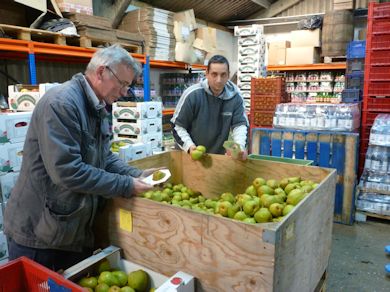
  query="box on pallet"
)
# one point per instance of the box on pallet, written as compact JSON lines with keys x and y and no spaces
{"x":137,"y":127}
{"x":13,"y":127}
{"x":136,"y":110}
{"x":302,"y":55}
{"x":24,"y":97}
{"x":305,"y":38}
{"x":154,"y":138}
{"x":11,"y":155}
{"x":3,"y":246}
{"x":277,"y":52}
{"x":7,"y":183}
{"x":270,"y":256}
{"x":135,"y":151}
{"x":183,"y":282}
{"x":78,"y":6}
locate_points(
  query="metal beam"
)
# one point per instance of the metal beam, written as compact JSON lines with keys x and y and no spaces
{"x":275,"y":8}
{"x":263,"y":3}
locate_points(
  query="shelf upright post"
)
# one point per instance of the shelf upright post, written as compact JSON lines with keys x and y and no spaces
{"x":147,"y":79}
{"x":31,"y":64}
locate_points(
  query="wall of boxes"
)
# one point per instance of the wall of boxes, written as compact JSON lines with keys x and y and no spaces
{"x":139,"y":125}
{"x":251,"y":60}
{"x":13,"y":130}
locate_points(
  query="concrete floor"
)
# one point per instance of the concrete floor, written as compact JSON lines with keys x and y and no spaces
{"x":357,"y":260}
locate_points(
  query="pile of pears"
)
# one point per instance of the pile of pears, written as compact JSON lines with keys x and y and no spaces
{"x":263,"y":201}
{"x":116,"y":145}
{"x":113,"y":280}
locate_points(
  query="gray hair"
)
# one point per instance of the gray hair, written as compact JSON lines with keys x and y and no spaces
{"x":112,"y":56}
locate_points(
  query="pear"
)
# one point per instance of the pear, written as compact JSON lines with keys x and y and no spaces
{"x":210,"y":203}
{"x":127,"y":289}
{"x":157,"y":175}
{"x":295,"y":196}
{"x":290,"y":187}
{"x":272,"y":183}
{"x":107,"y":278}
{"x":114,"y":289}
{"x":276,"y":209}
{"x":251,"y":190}
{"x":263,"y":215}
{"x":249,"y":220}
{"x":201,"y":148}
{"x":233,"y":210}
{"x":242,"y":198}
{"x":88,"y":282}
{"x":102,"y":287}
{"x":196,"y":154}
{"x":287,"y":209}
{"x":280,"y":198}
{"x":307,"y":188}
{"x":157,"y":196}
{"x":223,"y":207}
{"x":227,"y":197}
{"x":250,"y":207}
{"x":240,"y":215}
{"x":277,"y":219}
{"x":283,"y":183}
{"x":121,"y":277}
{"x":257,"y":182}
{"x":265,"y":189}
{"x":138,"y":280}
{"x":267,"y":200}
{"x":185,"y":196}
{"x":295,"y":179}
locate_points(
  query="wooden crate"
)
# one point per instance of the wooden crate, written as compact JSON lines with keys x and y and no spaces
{"x":326,"y":149}
{"x":223,"y":254}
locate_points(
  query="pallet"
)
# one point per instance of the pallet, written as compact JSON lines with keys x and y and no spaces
{"x":224,"y":254}
{"x":325,"y":149}
{"x":334,"y":59}
{"x":32,"y":34}
{"x":361,"y":216}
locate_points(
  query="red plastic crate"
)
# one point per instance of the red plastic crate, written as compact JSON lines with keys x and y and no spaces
{"x":381,"y":57}
{"x":378,"y":88}
{"x":23,"y":275}
{"x":379,"y":73}
{"x":376,"y":104}
{"x":260,"y":119}
{"x":268,"y":86}
{"x":380,"y":25}
{"x":368,"y":118}
{"x":267,"y":102}
{"x":380,"y":41}
{"x":381,"y":10}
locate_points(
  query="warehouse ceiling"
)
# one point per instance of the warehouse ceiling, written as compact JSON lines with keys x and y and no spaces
{"x":217,"y":11}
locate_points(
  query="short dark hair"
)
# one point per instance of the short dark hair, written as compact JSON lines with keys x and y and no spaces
{"x":217,"y":59}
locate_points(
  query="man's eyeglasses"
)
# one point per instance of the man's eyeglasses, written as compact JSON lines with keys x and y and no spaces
{"x":123,"y":84}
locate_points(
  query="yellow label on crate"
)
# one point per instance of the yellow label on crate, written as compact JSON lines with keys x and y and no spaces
{"x":125,"y":220}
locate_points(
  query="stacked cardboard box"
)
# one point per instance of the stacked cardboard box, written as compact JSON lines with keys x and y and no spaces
{"x":251,"y":61}
{"x":156,"y":25}
{"x":305,"y":46}
{"x":138,"y":122}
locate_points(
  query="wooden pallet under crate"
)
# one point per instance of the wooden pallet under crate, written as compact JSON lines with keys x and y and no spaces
{"x":326,"y":149}
{"x":221,"y":253}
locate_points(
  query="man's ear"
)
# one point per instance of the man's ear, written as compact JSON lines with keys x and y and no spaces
{"x":99,"y":72}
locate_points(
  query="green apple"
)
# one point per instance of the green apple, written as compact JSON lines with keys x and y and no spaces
{"x":121,"y":277}
{"x":107,"y":278}
{"x":201,"y":148}
{"x":104,"y":265}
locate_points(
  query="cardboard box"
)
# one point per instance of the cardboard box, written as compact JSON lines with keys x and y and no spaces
{"x":3,"y":246}
{"x":302,"y":55}
{"x":342,"y":4}
{"x":277,"y":52}
{"x":137,"y":110}
{"x":248,"y":30}
{"x":37,"y":4}
{"x":11,"y":156}
{"x":7,"y":183}
{"x":14,"y":126}
{"x":137,"y":127}
{"x":183,"y":282}
{"x":12,"y":13}
{"x":305,"y":38}
{"x":251,"y":40}
{"x":154,"y":138}
{"x":184,"y":24}
{"x":78,"y":6}
{"x":135,"y":151}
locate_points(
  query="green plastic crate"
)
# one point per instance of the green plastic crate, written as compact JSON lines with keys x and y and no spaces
{"x":281,"y":159}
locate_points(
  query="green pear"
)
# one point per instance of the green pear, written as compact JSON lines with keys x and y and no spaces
{"x":240,"y":215}
{"x":283,"y":183}
{"x":314,"y":185}
{"x":227,"y":197}
{"x":102,"y":287}
{"x":147,"y":195}
{"x":114,"y":289}
{"x":196,"y":154}
{"x":272,"y":183}
{"x":127,"y":289}
{"x":295,"y":196}
{"x":287,"y":209}
{"x":251,"y":190}
{"x":165,"y":197}
{"x":184,"y":189}
{"x":306,"y":188}
{"x":233,"y":210}
{"x":295,"y":179}
{"x":88,"y":282}
{"x":210,"y":203}
{"x":157,"y":196}
{"x":107,"y":278}
{"x":276,"y":209}
{"x":250,"y":207}
{"x":279,"y":191}
{"x":121,"y":277}
{"x":177,"y":197}
{"x":264,"y":189}
{"x":138,"y":280}
{"x":290,"y":187}
{"x":168,"y":185}
{"x":257,"y":182}
{"x":201,"y":148}
{"x":278,"y":219}
{"x":280,"y":198}
{"x":185,"y":196}
{"x":242,"y":198}
{"x":223,"y":207}
{"x":267,"y":200}
{"x":249,"y":220}
{"x":263,"y":215}
{"x":194,"y":200}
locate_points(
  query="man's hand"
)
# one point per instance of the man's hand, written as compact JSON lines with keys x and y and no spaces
{"x":140,"y":186}
{"x":242,"y":155}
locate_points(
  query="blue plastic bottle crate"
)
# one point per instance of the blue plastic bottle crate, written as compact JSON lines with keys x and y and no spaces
{"x":355,"y":80}
{"x":356,"y":49}
{"x":351,"y":95}
{"x":355,"y":65}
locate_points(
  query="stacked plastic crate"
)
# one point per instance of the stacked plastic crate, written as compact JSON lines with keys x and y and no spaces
{"x":137,"y":124}
{"x":251,"y":52}
{"x":376,"y":94}
{"x":353,"y":91}
{"x":266,"y":93}
{"x":13,"y":130}
{"x":374,"y":186}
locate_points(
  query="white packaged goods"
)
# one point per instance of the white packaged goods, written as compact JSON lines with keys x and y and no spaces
{"x":3,"y":246}
{"x":248,"y":30}
{"x":255,"y":51}
{"x":331,"y":117}
{"x":137,"y":127}
{"x":135,"y":151}
{"x":137,"y":110}
{"x":258,"y":39}
{"x":179,"y":282}
{"x":380,"y":131}
{"x":7,"y":183}
{"x":373,"y":203}
{"x":13,"y":127}
{"x":11,"y":156}
{"x":155,"y":139}
{"x":24,"y":97}
{"x":244,"y":85}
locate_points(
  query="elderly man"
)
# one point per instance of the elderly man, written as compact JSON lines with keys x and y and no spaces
{"x":68,"y":167}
